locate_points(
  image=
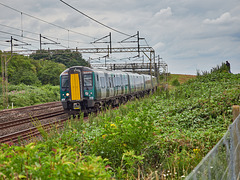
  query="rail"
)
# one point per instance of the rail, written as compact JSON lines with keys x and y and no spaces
{"x":19,"y":123}
{"x":30,"y":132}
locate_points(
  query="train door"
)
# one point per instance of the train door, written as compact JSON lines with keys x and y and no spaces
{"x":103,"y":85}
{"x":111,"y":85}
{"x":107,"y":84}
{"x":75,"y":85}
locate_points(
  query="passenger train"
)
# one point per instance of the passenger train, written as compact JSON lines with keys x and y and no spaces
{"x":86,"y":89}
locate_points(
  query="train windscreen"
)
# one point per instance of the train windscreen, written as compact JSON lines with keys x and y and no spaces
{"x":65,"y":83}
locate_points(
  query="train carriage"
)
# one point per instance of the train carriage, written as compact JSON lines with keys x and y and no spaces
{"x":84,"y":88}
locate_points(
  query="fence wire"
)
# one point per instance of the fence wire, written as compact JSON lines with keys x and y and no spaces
{"x":223,"y":161}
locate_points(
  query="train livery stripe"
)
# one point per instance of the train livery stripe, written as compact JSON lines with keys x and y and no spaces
{"x":75,"y":87}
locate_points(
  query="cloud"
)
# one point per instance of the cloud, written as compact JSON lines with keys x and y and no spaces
{"x":158,"y":46}
{"x":223,"y":19}
{"x":183,"y":32}
{"x":163,"y":13}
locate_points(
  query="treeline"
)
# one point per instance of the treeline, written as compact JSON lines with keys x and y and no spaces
{"x":42,"y":67}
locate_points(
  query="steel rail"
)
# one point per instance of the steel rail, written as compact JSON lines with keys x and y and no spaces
{"x":30,"y":132}
{"x":32,"y":107}
{"x":29,"y":119}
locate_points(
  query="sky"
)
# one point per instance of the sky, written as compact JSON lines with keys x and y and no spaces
{"x":188,"y":35}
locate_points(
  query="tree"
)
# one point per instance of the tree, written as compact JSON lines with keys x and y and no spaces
{"x":50,"y":72}
{"x":21,"y":70}
{"x":66,"y":57}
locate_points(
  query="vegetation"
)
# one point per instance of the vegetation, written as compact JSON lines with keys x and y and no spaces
{"x":218,"y":69}
{"x":35,"y":81}
{"x":66,"y":57}
{"x":182,"y":78}
{"x":175,"y":82}
{"x":24,"y":95}
{"x":41,"y":69}
{"x":162,"y":136}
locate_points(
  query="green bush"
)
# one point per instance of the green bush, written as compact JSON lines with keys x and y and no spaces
{"x":24,"y":95}
{"x":49,"y":161}
{"x":175,"y":82}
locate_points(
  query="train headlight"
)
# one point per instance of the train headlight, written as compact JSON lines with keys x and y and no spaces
{"x":67,"y":94}
{"x":86,"y":93}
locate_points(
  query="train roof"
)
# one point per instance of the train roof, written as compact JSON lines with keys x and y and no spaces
{"x":65,"y":72}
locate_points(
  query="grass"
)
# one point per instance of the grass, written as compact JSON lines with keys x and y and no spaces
{"x":161,"y":136}
{"x":180,"y":77}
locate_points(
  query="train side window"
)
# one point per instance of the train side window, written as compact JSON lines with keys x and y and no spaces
{"x":110,"y":83}
{"x":118,"y":81}
{"x":113,"y":81}
{"x":102,"y":79}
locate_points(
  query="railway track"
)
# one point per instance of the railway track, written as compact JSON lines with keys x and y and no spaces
{"x":30,"y":132}
{"x":25,"y":123}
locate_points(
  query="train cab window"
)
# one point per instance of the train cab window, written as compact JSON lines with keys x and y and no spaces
{"x":87,"y":79}
{"x":65,"y":83}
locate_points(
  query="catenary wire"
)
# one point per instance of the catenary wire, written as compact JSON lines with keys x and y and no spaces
{"x":46,"y":21}
{"x":44,"y":35}
{"x":94,"y":19}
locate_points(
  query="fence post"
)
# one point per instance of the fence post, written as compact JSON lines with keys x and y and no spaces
{"x":235,"y":141}
{"x":236,"y":111}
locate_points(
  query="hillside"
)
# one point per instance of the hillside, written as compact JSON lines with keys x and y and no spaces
{"x":182,"y":78}
{"x":167,"y":133}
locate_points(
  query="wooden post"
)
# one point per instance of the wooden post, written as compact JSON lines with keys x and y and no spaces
{"x":236,"y":111}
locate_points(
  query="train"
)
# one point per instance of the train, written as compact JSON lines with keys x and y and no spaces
{"x":87,"y":89}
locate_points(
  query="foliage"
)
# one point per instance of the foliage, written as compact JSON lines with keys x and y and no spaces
{"x":167,"y":133}
{"x":50,"y":160}
{"x":40,"y":68}
{"x":175,"y":82}
{"x":218,"y":69}
{"x":21,"y":70}
{"x":66,"y":57}
{"x":23,"y":95}
{"x":49,"y":72}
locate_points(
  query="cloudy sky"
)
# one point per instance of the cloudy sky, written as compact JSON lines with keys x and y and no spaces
{"x":189,"y":35}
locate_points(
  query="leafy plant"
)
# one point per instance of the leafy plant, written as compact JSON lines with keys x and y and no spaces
{"x":162,"y":136}
{"x":175,"y":82}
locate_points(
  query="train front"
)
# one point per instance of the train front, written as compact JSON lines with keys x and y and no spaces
{"x":71,"y":89}
{"x":76,"y":88}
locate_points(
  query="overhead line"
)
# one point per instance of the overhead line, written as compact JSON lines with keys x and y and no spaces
{"x":95,"y":19}
{"x":46,"y":21}
{"x":18,"y":29}
{"x":44,"y":35}
{"x":18,"y":35}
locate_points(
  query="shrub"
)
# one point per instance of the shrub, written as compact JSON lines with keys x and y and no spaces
{"x":175,"y":82}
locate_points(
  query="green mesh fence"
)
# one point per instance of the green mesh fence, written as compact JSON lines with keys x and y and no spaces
{"x":223,"y":161}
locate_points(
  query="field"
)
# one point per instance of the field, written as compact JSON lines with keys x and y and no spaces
{"x":182,"y":78}
{"x":163,"y":136}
